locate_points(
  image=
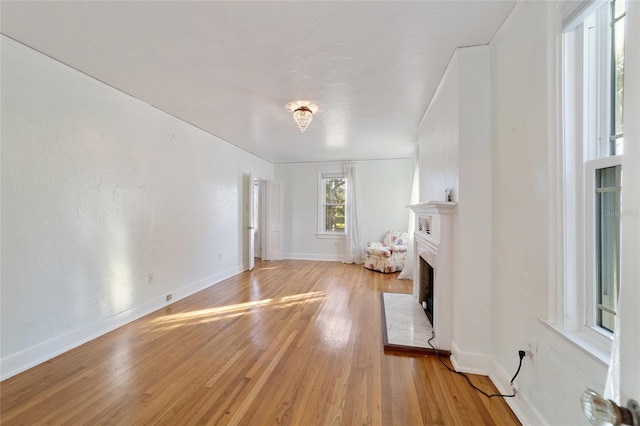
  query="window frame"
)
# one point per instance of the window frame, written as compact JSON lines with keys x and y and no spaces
{"x":587,"y":84}
{"x":322,"y":232}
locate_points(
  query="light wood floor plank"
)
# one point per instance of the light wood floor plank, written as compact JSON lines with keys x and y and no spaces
{"x":290,"y":343}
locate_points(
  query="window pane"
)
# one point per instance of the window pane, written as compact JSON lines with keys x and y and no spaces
{"x":334,"y":218}
{"x":618,"y":8}
{"x":618,"y":79}
{"x":334,"y":191}
{"x":607,"y":244}
{"x":333,"y":203}
{"x":619,"y":146}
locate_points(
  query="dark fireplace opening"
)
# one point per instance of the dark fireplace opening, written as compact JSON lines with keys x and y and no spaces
{"x":426,"y":288}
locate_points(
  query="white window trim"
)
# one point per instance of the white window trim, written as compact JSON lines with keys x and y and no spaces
{"x":574,"y":206}
{"x":322,"y":233}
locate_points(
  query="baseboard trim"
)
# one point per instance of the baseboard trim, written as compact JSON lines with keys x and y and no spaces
{"x":37,"y":354}
{"x":470,"y":362}
{"x":523,"y":410}
{"x":314,"y":256}
{"x":479,"y":363}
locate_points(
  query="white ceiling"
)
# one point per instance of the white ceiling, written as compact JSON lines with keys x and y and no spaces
{"x":230,"y":67}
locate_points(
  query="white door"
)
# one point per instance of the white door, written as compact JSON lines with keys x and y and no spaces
{"x":273,"y":218}
{"x":254,"y":191}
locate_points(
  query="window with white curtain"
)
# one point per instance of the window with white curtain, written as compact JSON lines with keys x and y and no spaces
{"x":593,"y":139}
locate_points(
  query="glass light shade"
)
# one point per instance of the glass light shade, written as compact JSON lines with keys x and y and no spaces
{"x":303,"y":117}
{"x":599,"y":411}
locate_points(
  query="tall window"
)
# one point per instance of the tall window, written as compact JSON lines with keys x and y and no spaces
{"x":332,"y":191}
{"x":593,"y":74}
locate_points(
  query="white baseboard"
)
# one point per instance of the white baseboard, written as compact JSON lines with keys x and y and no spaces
{"x":523,"y":410}
{"x":470,"y":362}
{"x":479,"y":363}
{"x":314,"y":256}
{"x":37,"y":354}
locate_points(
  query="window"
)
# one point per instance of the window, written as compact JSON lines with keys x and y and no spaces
{"x":607,"y":204}
{"x":593,"y":94}
{"x":332,"y":191}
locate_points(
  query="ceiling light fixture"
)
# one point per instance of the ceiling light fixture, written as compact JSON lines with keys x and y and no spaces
{"x":302,"y":113}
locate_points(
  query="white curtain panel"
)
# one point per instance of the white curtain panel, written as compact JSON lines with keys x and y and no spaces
{"x":353,"y":250}
{"x":612,"y":384}
{"x":407,"y":271}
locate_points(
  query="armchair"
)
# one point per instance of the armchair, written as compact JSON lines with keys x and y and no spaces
{"x":389,"y":255}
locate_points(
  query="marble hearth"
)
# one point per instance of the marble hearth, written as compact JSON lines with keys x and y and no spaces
{"x":406,"y":327}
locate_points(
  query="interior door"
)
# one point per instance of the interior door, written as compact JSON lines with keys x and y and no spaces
{"x":273,"y":218}
{"x":253,"y":190}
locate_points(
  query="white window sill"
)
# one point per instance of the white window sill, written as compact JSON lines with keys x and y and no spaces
{"x":582,"y":341}
{"x":330,"y":235}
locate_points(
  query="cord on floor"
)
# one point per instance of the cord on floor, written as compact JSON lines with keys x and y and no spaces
{"x":520,"y":354}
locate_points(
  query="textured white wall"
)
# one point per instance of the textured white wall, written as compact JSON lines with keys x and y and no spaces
{"x":473,"y":281}
{"x":385,"y":188}
{"x":455,"y":152}
{"x":630,"y":314}
{"x":438,"y":139}
{"x":98,"y":191}
{"x":300,"y":183}
{"x":523,"y":98}
{"x":508,"y":166}
{"x":384,"y":191}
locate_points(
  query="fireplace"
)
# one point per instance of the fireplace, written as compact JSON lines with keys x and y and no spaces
{"x":433,"y":271}
{"x":425,"y":296}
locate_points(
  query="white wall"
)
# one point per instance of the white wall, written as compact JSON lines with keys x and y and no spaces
{"x":522,"y":56}
{"x":98,"y":191}
{"x":473,"y":280}
{"x":384,"y":191}
{"x":455,"y":152}
{"x":630,"y":314}
{"x":519,"y":270}
{"x":522,"y":114}
{"x":438,"y":140}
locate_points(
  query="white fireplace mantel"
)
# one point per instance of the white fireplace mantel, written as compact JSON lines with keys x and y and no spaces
{"x":436,"y":247}
{"x":433,"y":207}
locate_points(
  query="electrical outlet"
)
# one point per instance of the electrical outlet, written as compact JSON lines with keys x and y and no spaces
{"x":532,"y":351}
{"x":220,"y":256}
{"x":169,"y":297}
{"x":150,"y":278}
{"x":517,"y":391}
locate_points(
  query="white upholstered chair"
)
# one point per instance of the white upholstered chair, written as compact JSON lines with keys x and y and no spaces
{"x":389,"y":255}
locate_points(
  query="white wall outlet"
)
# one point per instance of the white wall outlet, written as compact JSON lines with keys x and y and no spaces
{"x":517,"y":390}
{"x":169,"y":297}
{"x":220,"y":256}
{"x":531,"y":351}
{"x":150,"y":278}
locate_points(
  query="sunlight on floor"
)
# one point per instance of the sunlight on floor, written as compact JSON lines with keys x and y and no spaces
{"x":203,"y":316}
{"x":212,"y":311}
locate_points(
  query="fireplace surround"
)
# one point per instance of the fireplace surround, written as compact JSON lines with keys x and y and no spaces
{"x":425,"y":294}
{"x":433,"y":245}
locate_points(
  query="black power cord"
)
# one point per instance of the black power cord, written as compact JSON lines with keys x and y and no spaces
{"x":521,"y":354}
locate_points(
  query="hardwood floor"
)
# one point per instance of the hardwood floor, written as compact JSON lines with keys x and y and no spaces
{"x":293,"y":342}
